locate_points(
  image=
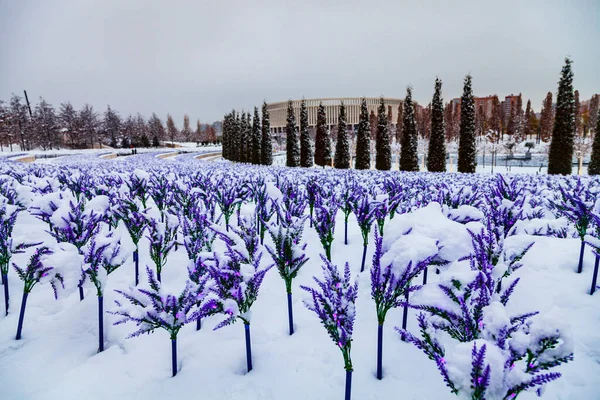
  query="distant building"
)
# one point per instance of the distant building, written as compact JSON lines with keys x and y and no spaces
{"x":278,"y":111}
{"x":507,"y":104}
{"x":486,"y":103}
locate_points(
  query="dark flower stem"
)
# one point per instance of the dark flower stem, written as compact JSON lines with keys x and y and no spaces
{"x":290,"y":313}
{"x":580,"y":266}
{"x":22,"y":315}
{"x":6,"y":297}
{"x":595,"y":276}
{"x":425,"y":276}
{"x":174,"y":356}
{"x":405,"y":312}
{"x":136,"y":259}
{"x":198,"y":323}
{"x":248,"y":348}
{"x":346,"y":231}
{"x":81,"y":297}
{"x":379,"y":352}
{"x":100,"y":324}
{"x":362,"y":265}
{"x":348,"y":385}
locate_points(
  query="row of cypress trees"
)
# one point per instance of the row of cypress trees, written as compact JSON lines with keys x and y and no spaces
{"x":299,"y":150}
{"x":247,"y":139}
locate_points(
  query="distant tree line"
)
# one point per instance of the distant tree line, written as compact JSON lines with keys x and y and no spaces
{"x":42,"y":126}
{"x":247,"y":138}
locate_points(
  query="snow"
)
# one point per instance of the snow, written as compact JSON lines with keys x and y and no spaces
{"x":429,"y":221}
{"x":57,"y":358}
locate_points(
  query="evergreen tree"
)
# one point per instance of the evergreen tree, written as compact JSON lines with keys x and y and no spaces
{"x":68,"y":120}
{"x":155,"y":127}
{"x":141,"y":129}
{"x":409,"y":160}
{"x":578,"y":124}
{"x":292,"y":145}
{"x":363,"y":139}
{"x":44,"y":126}
{"x":519,"y":119}
{"x":560,"y":156}
{"x":594,"y":167}
{"x":112,"y":126}
{"x":594,"y":107}
{"x":528,"y":128}
{"x":306,"y":153}
{"x":399,"y":123}
{"x":383,"y":157}
{"x":226,"y":135}
{"x":266,"y":152}
{"x":467,"y":151}
{"x":256,"y":138}
{"x":546,"y":119}
{"x":89,"y":123}
{"x":373,"y":125}
{"x":248,"y":136}
{"x":322,"y":140}
{"x":186,"y":131}
{"x":436,"y":159}
{"x":171,"y":129}
{"x":144,"y":140}
{"x":342,"y":146}
{"x":243,"y":130}
{"x":511,"y":126}
{"x":155,"y":142}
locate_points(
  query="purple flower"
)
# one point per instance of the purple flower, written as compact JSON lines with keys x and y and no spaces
{"x":334,"y":303}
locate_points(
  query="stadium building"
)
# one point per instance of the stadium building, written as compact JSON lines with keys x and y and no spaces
{"x":278,"y":111}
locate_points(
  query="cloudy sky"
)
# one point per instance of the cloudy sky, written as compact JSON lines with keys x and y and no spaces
{"x":204,"y":58}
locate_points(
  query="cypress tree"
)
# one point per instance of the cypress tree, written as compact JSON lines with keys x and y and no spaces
{"x":363,"y":139}
{"x":256,"y":138}
{"x":383,"y":157}
{"x":409,"y":160}
{"x":243,"y":138}
{"x":249,"y":140}
{"x":292,"y":145}
{"x":342,"y":146}
{"x":594,"y":167}
{"x":527,"y":129}
{"x":546,"y":119}
{"x":266,"y":152}
{"x":467,"y":150}
{"x":225,"y":135}
{"x":236,"y":137}
{"x":563,"y":134}
{"x":306,"y":153}
{"x":322,"y":140}
{"x":436,"y":159}
{"x":399,"y":123}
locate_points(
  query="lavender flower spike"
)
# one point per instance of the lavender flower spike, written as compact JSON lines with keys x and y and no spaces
{"x":334,"y":303}
{"x":150,"y":309}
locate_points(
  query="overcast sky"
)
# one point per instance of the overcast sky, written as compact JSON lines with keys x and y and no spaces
{"x":204,"y":58}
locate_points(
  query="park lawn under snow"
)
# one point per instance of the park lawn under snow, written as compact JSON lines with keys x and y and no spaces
{"x":57,"y":357}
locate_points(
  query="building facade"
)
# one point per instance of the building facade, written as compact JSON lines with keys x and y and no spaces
{"x":278,"y":111}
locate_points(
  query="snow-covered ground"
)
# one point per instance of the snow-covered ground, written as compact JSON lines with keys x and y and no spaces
{"x":57,"y":357}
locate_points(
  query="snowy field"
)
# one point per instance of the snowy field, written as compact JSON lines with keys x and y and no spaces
{"x":428,"y":220}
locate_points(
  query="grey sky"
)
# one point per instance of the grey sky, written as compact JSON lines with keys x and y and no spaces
{"x":204,"y":58}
